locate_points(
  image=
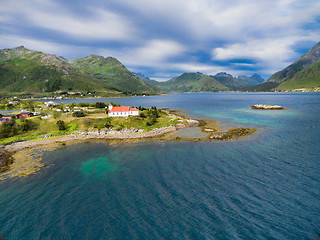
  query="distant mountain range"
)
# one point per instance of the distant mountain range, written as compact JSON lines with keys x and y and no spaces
{"x":25,"y":71}
{"x":28,"y":72}
{"x":303,"y":74}
{"x":199,"y":82}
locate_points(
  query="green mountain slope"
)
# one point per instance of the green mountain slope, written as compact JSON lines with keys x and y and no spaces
{"x":24,"y":70}
{"x":33,"y":72}
{"x":294,"y":73}
{"x":309,"y":58}
{"x":308,"y":78}
{"x":192,"y":82}
{"x":114,"y":74}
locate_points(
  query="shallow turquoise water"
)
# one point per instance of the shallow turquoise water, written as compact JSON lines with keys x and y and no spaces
{"x":192,"y":132}
{"x":262,"y":187}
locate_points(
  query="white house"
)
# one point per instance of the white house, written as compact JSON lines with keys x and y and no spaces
{"x":123,"y":111}
{"x":50,"y":103}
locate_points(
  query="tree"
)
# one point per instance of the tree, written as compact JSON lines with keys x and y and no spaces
{"x":61,"y":125}
{"x":8,"y":129}
{"x":27,"y":125}
{"x":100,"y":105}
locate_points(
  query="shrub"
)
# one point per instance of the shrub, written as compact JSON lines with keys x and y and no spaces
{"x":78,"y":114}
{"x":8,"y":129}
{"x":142,"y":115}
{"x":100,"y":105}
{"x":118,"y":128}
{"x":61,"y":125}
{"x":27,"y":125}
{"x":108,"y":122}
{"x":150,"y":121}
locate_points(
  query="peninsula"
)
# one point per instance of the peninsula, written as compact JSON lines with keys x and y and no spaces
{"x":48,"y":125}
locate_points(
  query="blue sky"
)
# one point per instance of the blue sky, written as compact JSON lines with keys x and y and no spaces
{"x":164,"y":38}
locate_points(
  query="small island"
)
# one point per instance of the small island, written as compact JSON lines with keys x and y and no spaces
{"x":48,"y":125}
{"x":267,"y":107}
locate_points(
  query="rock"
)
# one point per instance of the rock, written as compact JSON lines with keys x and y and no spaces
{"x":208,"y":130}
{"x":267,"y":107}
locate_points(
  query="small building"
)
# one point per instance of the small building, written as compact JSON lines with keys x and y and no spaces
{"x":50,"y":103}
{"x":2,"y":120}
{"x":123,"y":111}
{"x":7,"y":116}
{"x":13,"y":102}
{"x":26,"y":114}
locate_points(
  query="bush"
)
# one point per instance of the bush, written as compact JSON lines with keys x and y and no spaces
{"x":27,"y":125}
{"x":8,"y":129}
{"x":108,"y":123}
{"x":118,"y":128}
{"x":78,"y":114}
{"x":150,"y":121}
{"x":100,"y":105}
{"x":61,"y":125}
{"x":142,"y":115}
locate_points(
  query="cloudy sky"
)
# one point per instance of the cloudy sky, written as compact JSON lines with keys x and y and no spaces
{"x":164,"y":38}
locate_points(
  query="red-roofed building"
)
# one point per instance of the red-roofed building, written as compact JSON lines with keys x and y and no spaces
{"x":123,"y":111}
{"x":2,"y":120}
{"x":26,"y":114}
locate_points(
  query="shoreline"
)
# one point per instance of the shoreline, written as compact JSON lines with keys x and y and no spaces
{"x":21,"y":159}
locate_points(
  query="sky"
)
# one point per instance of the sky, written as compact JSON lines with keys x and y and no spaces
{"x":165,"y":38}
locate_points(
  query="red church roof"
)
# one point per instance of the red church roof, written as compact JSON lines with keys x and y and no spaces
{"x":122,"y":109}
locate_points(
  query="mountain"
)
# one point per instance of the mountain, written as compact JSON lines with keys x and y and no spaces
{"x":235,"y":83}
{"x":298,"y":74}
{"x":114,"y":74}
{"x":147,"y":79}
{"x":307,"y":79}
{"x":141,"y":75}
{"x":199,"y":82}
{"x":33,"y":72}
{"x":192,"y":82}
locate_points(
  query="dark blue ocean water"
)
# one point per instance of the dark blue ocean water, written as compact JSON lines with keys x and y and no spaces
{"x":266,"y":186}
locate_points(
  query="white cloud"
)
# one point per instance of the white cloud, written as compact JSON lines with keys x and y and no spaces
{"x":100,"y":24}
{"x":11,"y":41}
{"x":168,"y":35}
{"x":255,"y":49}
{"x":153,"y":53}
{"x":157,"y":51}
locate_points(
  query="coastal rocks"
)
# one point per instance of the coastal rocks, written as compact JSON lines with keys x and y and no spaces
{"x":233,"y":134}
{"x":5,"y":160}
{"x":208,"y":130}
{"x":193,"y":122}
{"x":267,"y":107}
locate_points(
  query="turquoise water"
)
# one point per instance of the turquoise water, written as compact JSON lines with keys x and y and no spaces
{"x":262,"y":187}
{"x":192,"y":132}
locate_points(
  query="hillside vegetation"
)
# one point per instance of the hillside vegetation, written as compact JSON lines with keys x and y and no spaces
{"x":114,"y":74}
{"x":192,"y":82}
{"x":307,"y":79}
{"x":24,"y":71}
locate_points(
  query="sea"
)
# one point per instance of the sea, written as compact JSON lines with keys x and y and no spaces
{"x":266,"y":186}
